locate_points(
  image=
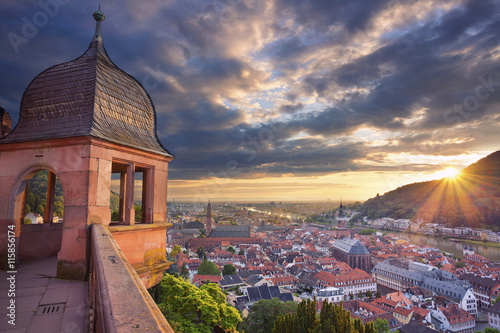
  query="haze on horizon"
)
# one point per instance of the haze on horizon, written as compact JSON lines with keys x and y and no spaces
{"x":288,"y":100}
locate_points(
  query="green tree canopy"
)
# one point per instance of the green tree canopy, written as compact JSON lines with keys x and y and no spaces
{"x":264,"y":313}
{"x":382,"y":326}
{"x":176,"y":250}
{"x":200,"y":252}
{"x":242,"y":252}
{"x":184,"y":271}
{"x":366,"y":232}
{"x":228,"y":269}
{"x":231,"y":249}
{"x":332,"y":319}
{"x":196,"y":310}
{"x":208,"y":268}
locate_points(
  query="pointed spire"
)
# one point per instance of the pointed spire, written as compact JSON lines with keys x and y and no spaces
{"x":99,"y":17}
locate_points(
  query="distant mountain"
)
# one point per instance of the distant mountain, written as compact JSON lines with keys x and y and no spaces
{"x":472,"y":199}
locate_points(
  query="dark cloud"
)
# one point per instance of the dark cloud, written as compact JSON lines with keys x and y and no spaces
{"x":281,"y":87}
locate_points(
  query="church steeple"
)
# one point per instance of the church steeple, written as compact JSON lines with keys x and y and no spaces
{"x":208,"y":220}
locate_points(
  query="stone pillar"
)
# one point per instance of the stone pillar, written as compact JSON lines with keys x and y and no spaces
{"x":129,"y":195}
{"x":147,"y":195}
{"x":121,"y":209}
{"x":48,"y":214}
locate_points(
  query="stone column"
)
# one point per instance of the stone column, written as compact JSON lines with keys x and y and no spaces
{"x":129,"y":195}
{"x":48,"y":214}
{"x":147,"y":195}
{"x":121,"y":208}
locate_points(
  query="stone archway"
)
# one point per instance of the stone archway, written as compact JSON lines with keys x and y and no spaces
{"x":34,"y":240}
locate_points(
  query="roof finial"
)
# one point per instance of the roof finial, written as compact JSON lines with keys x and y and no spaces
{"x":99,"y":17}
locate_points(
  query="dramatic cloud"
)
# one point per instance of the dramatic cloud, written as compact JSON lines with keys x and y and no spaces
{"x":259,"y":89}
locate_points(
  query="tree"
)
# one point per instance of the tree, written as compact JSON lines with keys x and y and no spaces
{"x":228,"y":269}
{"x":196,"y":310}
{"x":264,"y":313}
{"x":378,"y":294}
{"x":381,"y":326}
{"x":200,"y":252}
{"x":138,"y":212}
{"x":351,"y":296}
{"x":231,"y":249}
{"x":40,"y":209}
{"x":369,"y":294}
{"x":332,"y":319}
{"x":208,"y":268}
{"x":460,"y":264}
{"x":176,"y":250}
{"x":184,"y":271}
{"x":242,"y":252}
{"x":496,"y":300}
{"x":366,"y":232}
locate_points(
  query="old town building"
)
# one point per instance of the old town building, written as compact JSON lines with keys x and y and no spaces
{"x":352,"y":252}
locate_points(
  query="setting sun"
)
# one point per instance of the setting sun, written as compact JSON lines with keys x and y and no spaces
{"x":447,"y":173}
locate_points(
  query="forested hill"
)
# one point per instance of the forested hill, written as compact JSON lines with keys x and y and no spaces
{"x":471,"y":199}
{"x":36,"y":196}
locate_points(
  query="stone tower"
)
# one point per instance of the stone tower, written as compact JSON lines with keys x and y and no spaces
{"x":84,"y":120}
{"x":208,"y":220}
{"x":341,"y":221}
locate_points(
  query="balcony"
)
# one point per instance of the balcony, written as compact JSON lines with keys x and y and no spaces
{"x":114,"y":299}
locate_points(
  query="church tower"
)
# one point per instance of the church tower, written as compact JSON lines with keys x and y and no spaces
{"x":341,"y":220}
{"x":208,"y":220}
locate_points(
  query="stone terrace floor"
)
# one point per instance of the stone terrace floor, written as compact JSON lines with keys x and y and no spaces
{"x":43,"y":303}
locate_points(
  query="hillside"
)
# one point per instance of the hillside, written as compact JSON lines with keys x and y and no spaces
{"x":472,"y":199}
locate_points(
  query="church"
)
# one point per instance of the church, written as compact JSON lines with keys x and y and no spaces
{"x":352,"y":252}
{"x":223,"y":236}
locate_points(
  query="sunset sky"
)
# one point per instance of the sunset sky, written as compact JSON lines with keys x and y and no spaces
{"x":287,"y":100}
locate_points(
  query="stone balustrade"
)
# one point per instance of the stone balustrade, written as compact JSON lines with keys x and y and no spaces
{"x":118,"y":300}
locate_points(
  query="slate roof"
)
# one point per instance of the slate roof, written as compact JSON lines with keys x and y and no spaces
{"x":349,"y":245}
{"x":480,"y":280}
{"x":223,"y":231}
{"x":88,"y":96}
{"x":495,"y":309}
{"x":247,"y":274}
{"x":230,"y":280}
{"x":413,"y":327}
{"x":440,"y":282}
{"x":265,"y":292}
{"x":253,"y":279}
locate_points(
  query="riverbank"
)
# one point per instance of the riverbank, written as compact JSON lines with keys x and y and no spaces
{"x":447,"y":237}
{"x":488,"y":249}
{"x":478,"y":242}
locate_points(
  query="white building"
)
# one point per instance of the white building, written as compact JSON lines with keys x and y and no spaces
{"x":453,"y":319}
{"x":494,"y":316}
{"x":33,"y":219}
{"x":330,"y":294}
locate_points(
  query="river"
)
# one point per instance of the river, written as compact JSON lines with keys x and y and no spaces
{"x":490,"y":252}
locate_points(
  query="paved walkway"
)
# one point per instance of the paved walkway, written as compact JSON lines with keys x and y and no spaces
{"x":43,"y":304}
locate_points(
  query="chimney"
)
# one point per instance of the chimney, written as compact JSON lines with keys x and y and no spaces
{"x":5,"y":123}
